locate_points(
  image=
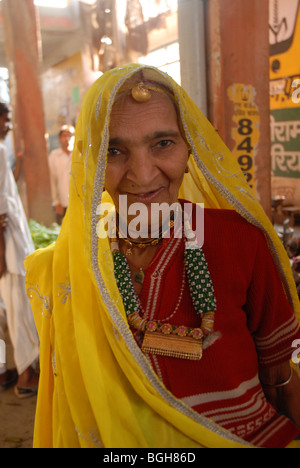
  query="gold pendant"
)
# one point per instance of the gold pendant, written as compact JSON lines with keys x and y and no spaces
{"x":129,"y":251}
{"x":139,"y":277}
{"x":182,"y":347}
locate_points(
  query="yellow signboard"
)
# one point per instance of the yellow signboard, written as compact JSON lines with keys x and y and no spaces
{"x":285,"y":87}
{"x":246,"y":131}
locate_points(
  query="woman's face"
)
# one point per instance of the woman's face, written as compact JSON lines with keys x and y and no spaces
{"x":147,"y":155}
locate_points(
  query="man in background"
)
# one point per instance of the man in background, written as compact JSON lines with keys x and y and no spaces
{"x":15,"y":245}
{"x":60,"y":169}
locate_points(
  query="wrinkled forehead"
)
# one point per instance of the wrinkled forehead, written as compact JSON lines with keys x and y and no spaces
{"x":129,"y":117}
{"x":144,"y":88}
{"x":143,"y":84}
{"x":125,"y":103}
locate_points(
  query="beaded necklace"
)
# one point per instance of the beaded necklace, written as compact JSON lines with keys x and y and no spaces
{"x":142,"y":245}
{"x":163,"y":338}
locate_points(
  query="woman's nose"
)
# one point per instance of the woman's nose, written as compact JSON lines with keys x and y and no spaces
{"x":142,"y":170}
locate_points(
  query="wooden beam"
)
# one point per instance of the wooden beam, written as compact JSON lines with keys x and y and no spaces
{"x":238,"y":86}
{"x":23,"y":57}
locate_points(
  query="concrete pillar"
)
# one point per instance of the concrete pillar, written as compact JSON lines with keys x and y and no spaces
{"x":22,"y":48}
{"x":191,"y":34}
{"x":238,"y":85}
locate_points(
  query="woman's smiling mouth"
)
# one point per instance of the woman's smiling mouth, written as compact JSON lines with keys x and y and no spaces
{"x":145,"y":197}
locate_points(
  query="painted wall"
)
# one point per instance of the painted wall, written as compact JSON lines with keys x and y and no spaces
{"x":63,"y":90}
{"x":285,"y":99}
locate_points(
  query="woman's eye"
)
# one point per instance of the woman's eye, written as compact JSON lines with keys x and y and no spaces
{"x":164,"y":143}
{"x":113,"y":151}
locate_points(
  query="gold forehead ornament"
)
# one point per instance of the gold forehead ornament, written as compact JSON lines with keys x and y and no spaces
{"x":141,"y":93}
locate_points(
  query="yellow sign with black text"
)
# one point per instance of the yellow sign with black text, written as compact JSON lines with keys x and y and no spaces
{"x":245,"y":133}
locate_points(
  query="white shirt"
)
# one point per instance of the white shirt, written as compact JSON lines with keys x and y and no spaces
{"x":60,"y":170}
{"x":18,"y":241}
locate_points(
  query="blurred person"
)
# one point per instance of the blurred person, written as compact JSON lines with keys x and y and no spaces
{"x":15,"y":245}
{"x":18,"y":165}
{"x":60,"y":168}
{"x":16,"y":168}
{"x":155,"y":340}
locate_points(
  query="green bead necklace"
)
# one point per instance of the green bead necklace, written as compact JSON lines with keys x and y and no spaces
{"x":163,"y":338}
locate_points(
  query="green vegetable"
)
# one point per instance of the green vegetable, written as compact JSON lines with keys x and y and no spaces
{"x":41,"y":235}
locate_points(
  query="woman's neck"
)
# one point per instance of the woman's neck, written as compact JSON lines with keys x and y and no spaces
{"x":137,"y":257}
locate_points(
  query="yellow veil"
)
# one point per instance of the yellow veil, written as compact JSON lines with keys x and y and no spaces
{"x":97,"y":389}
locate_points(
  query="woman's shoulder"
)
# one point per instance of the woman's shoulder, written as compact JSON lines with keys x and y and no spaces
{"x":218,"y":215}
{"x":226,"y":216}
{"x":230,"y":228}
{"x":219,"y":218}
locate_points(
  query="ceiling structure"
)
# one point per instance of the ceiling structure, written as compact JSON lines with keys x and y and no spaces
{"x":60,"y":34}
{"x":63,"y":33}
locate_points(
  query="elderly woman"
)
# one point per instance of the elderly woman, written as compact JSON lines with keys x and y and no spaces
{"x":151,"y":337}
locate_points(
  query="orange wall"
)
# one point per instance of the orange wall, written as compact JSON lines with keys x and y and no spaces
{"x":63,"y":91}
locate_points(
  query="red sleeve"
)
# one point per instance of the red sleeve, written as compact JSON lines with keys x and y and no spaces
{"x":271,"y":319}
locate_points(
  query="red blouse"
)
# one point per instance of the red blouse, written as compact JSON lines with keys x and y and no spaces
{"x":256,"y":323}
